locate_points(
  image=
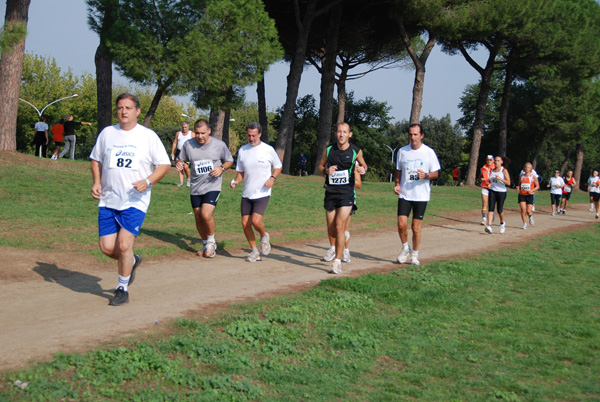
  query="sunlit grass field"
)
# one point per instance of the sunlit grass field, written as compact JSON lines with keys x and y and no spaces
{"x":517,"y":325}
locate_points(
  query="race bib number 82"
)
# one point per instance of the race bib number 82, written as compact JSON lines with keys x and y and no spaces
{"x":123,"y":159}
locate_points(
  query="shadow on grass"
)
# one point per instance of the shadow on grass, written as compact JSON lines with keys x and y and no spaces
{"x":73,"y":280}
{"x":179,"y":240}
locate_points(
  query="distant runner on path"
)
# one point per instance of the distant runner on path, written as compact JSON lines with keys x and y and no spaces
{"x":500,"y":178}
{"x":567,"y":190}
{"x":484,"y":176}
{"x":122,"y":168}
{"x":209,"y":158}
{"x":528,"y":185}
{"x":416,"y":165}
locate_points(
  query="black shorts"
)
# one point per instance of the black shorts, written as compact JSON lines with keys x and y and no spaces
{"x":59,"y":143}
{"x":256,"y":206}
{"x":496,"y":200}
{"x":555,"y":198}
{"x":526,"y":198}
{"x":566,"y":196}
{"x":209,"y":198}
{"x":595,"y":196}
{"x":335,"y":201}
{"x":418,"y":208}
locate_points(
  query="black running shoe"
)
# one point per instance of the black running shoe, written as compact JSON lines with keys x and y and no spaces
{"x":121,"y":297}
{"x":137,"y":260}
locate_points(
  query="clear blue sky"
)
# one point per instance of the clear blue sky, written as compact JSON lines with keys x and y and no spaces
{"x":59,"y":29}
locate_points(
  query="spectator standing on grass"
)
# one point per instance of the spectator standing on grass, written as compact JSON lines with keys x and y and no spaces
{"x":499,"y":179}
{"x":302,"y":165}
{"x":127,"y":160}
{"x":40,"y":137}
{"x":338,"y":166}
{"x":70,"y":137}
{"x":416,"y":165}
{"x":258,"y":165}
{"x":528,"y":185}
{"x":594,"y":190}
{"x":556,"y":185}
{"x":181,"y":138}
{"x":484,"y":176}
{"x":58,"y":132}
{"x":566,"y":191}
{"x":209,"y":158}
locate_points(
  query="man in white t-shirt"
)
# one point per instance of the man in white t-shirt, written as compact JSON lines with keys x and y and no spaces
{"x":416,"y":165}
{"x":258,"y":165}
{"x":122,"y":168}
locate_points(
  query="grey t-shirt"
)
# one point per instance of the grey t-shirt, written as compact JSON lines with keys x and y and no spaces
{"x":203,"y":159}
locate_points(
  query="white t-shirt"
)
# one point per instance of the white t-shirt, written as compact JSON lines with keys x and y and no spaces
{"x":555,"y":182}
{"x":41,"y":126}
{"x":497,"y":185}
{"x":182,"y":139}
{"x":594,"y":180}
{"x":257,"y":164}
{"x":408,"y":162}
{"x":126,"y":157}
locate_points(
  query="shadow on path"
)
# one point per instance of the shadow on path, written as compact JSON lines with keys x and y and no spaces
{"x":72,"y":280}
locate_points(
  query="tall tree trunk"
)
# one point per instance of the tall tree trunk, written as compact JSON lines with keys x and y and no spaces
{"x":578,"y":164}
{"x":283,"y":145}
{"x":11,"y":67}
{"x":217,"y":122}
{"x":565,"y":164}
{"x":226,"y":118}
{"x":328,"y":82}
{"x":262,"y":109}
{"x":503,"y":134}
{"x":538,"y":149}
{"x":103,"y":88}
{"x":341,"y":96}
{"x":478,"y":124}
{"x":160,"y":91}
{"x":419,"y":62}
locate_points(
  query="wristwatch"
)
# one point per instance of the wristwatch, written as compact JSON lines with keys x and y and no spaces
{"x":149,"y":183}
{"x":427,"y":175}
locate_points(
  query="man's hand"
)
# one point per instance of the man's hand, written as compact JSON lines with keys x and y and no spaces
{"x":140,"y":185}
{"x":218,"y":171}
{"x":96,"y":191}
{"x":397,"y":189}
{"x":179,"y":165}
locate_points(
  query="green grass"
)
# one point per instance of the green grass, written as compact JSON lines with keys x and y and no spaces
{"x":518,"y":325}
{"x":52,"y":199}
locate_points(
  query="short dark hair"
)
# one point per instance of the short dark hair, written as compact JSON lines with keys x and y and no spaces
{"x":348,"y":124}
{"x":417,"y":125}
{"x":253,"y":125}
{"x":200,"y":123}
{"x":132,"y":97}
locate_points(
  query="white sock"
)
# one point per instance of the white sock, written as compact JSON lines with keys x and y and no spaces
{"x":346,"y":250}
{"x":405,"y":246}
{"x":211,"y":238}
{"x":264,"y":238}
{"x":332,"y":248}
{"x":415,"y":253}
{"x":338,"y":260}
{"x":123,"y":282}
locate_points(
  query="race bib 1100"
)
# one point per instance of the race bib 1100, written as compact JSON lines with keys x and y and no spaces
{"x":203,"y":166}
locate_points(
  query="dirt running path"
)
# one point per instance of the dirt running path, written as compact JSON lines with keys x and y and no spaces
{"x":57,"y":307}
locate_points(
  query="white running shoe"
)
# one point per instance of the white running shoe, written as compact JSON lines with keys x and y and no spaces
{"x":265,"y":246}
{"x":502,"y":227}
{"x":188,"y":183}
{"x":553,"y":213}
{"x":253,"y":256}
{"x":336,"y":267}
{"x":403,"y":256}
{"x":597,"y":215}
{"x":414,"y":259}
{"x":533,"y":207}
{"x":531,"y":221}
{"x":346,"y":255}
{"x":524,"y":226}
{"x":329,"y":255}
{"x":210,"y":250}
{"x":592,"y":209}
{"x":488,"y":229}
{"x":483,"y":221}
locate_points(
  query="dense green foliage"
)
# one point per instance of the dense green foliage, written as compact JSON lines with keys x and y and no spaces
{"x":519,"y":326}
